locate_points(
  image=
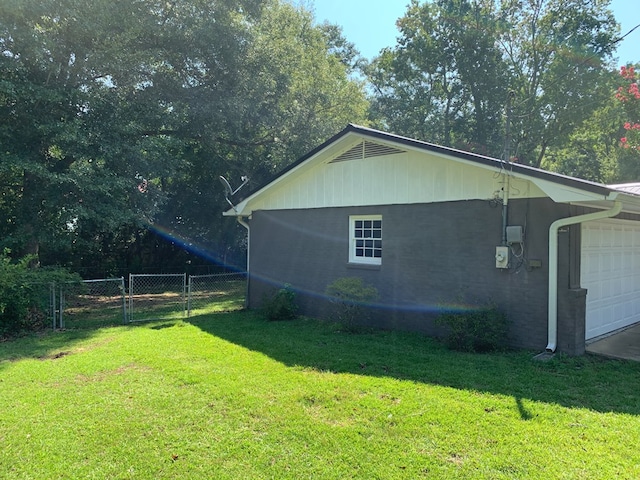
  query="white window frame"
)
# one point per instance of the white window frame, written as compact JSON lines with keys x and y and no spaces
{"x":353,"y":241}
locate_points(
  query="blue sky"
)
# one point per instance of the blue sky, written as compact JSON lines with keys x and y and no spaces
{"x":370,"y":24}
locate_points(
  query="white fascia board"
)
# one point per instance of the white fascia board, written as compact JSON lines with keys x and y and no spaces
{"x":350,"y":139}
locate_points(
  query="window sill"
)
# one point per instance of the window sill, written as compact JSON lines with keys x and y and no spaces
{"x":363,"y":266}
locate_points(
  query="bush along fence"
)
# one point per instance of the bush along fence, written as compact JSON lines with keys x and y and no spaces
{"x":148,"y":297}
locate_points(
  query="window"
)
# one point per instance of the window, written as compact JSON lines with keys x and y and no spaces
{"x":365,"y":239}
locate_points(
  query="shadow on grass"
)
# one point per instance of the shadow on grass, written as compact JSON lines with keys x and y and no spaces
{"x":47,"y":345}
{"x":576,"y":382}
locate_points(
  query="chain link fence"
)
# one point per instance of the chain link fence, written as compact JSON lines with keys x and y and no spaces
{"x":91,"y":303}
{"x":102,"y":302}
{"x":157,"y":296}
{"x":225,"y":291}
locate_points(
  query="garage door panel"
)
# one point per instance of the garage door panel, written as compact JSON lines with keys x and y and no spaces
{"x":610,"y":271}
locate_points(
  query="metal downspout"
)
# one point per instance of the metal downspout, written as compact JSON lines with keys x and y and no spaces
{"x":246,"y":225}
{"x":552,"y":325}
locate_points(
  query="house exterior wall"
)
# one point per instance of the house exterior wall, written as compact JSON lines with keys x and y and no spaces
{"x":404,"y":178}
{"x":434,"y":254}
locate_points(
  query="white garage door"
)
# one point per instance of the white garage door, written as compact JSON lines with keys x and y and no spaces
{"x":610,"y":271}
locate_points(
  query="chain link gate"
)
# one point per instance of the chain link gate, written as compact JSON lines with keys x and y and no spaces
{"x":227,"y":291}
{"x":157,"y":296}
{"x":91,"y":302}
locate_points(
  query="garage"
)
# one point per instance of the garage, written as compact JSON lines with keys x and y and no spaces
{"x":610,"y":271}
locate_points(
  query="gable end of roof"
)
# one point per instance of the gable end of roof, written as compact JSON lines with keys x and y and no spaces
{"x":377,"y":143}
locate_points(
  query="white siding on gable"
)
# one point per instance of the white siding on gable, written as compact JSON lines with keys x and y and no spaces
{"x":408,"y":177}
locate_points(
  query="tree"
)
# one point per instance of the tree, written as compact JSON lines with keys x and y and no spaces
{"x":120,"y":115}
{"x":595,"y":149}
{"x":592,"y":150}
{"x":458,"y":61}
{"x":629,"y":96}
{"x":444,"y":81}
{"x":557,"y":53}
{"x":71,"y":146}
{"x":290,"y":92}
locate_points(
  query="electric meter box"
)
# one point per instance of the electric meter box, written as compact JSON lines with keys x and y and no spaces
{"x":502,"y":257}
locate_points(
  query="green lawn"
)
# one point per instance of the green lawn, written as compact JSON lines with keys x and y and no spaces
{"x":228,"y":395}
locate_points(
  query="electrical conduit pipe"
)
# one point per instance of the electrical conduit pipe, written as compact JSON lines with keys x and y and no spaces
{"x":552,"y":325}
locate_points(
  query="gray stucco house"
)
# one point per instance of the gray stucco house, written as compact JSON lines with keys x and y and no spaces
{"x":428,"y":225}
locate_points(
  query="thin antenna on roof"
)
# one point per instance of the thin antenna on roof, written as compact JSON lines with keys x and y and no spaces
{"x":230,"y":192}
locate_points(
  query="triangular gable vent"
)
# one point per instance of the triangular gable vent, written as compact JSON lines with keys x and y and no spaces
{"x":366,"y":150}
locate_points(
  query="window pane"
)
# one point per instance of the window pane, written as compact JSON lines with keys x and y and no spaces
{"x":366,"y":240}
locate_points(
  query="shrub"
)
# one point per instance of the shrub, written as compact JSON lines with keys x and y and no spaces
{"x":351,"y":295}
{"x":24,"y":294}
{"x":281,"y":306}
{"x":478,"y":330}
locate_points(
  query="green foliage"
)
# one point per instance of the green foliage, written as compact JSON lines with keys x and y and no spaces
{"x":24,"y":294}
{"x":351,"y":295}
{"x":282,"y":305}
{"x":445,"y":82}
{"x":481,"y":329}
{"x":594,"y":150}
{"x":121,"y":115}
{"x":457,"y":61}
{"x":14,"y":302}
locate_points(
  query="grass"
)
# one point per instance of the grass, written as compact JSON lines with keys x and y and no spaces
{"x":229,"y":395}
